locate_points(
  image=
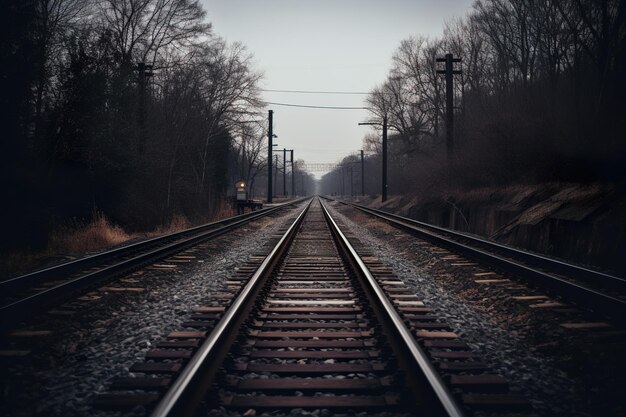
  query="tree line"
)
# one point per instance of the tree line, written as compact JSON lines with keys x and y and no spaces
{"x":541,"y":97}
{"x":132,"y":108}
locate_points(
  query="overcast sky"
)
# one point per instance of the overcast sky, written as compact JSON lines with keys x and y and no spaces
{"x":325,"y":45}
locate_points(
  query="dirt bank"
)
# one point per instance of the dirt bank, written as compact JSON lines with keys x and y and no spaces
{"x":584,"y":224}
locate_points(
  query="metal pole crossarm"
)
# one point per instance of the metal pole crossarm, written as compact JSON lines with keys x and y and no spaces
{"x":384,"y":185}
{"x":449,"y":71}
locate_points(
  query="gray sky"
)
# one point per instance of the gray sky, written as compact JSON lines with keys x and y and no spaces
{"x":328,"y":45}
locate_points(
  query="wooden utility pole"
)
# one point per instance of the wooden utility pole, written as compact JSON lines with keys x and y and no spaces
{"x":362,"y":175}
{"x":284,"y":172}
{"x":270,"y":135}
{"x":384,"y":187}
{"x":275,"y":171}
{"x":449,"y":72}
{"x":384,"y":192}
{"x":293,"y":184}
{"x":342,"y":182}
{"x":351,"y":181}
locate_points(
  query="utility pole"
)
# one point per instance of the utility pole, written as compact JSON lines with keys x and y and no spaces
{"x":384,"y":186}
{"x":293,"y":184}
{"x":144,"y":72}
{"x":351,"y":182}
{"x":342,"y":182}
{"x":384,"y":196}
{"x":270,"y":135}
{"x":275,"y":170}
{"x":449,"y":71}
{"x":284,"y":172}
{"x":362,"y":175}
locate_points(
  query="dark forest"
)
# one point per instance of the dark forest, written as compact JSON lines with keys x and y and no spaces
{"x":133,"y":110}
{"x":540,"y":98}
{"x":137,"y":112}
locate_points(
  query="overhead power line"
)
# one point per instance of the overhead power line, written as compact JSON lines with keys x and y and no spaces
{"x":316,"y":107}
{"x":314,"y":92}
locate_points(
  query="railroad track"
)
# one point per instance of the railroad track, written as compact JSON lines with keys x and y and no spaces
{"x":597,"y":291}
{"x":315,"y":326}
{"x":24,"y":296}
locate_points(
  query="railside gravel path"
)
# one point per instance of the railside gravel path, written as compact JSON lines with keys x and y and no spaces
{"x":549,"y":389}
{"x":85,"y":350}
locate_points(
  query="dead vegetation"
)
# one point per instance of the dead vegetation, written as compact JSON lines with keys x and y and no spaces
{"x":78,"y":238}
{"x":93,"y":236}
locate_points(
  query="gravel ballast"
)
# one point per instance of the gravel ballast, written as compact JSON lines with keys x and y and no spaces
{"x":107,"y":335}
{"x":548,"y":388}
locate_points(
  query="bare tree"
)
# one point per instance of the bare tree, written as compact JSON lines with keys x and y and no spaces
{"x":514,"y":37}
{"x":142,"y":29}
{"x":463,"y":38}
{"x":414,"y":60}
{"x":555,"y":42}
{"x":229,"y":88}
{"x":411,"y":97}
{"x":598,"y":28}
{"x":250,"y":146}
{"x":175,"y":120}
{"x":57,"y":17}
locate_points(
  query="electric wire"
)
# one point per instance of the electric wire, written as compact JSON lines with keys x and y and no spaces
{"x":314,"y":92}
{"x":316,"y":107}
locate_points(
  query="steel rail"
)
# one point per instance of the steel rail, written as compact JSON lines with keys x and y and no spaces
{"x":35,"y":277}
{"x":21,"y":309}
{"x":189,"y":382}
{"x":446,"y":399}
{"x":555,"y":265}
{"x":584,"y":296}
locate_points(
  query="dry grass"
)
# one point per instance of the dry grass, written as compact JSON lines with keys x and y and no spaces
{"x":224,"y":211}
{"x":99,"y":234}
{"x":79,"y":238}
{"x":65,"y":243}
{"x":177,"y":223}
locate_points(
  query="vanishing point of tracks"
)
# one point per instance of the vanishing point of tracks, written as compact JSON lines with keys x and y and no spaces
{"x":312,"y":325}
{"x":315,"y":326}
